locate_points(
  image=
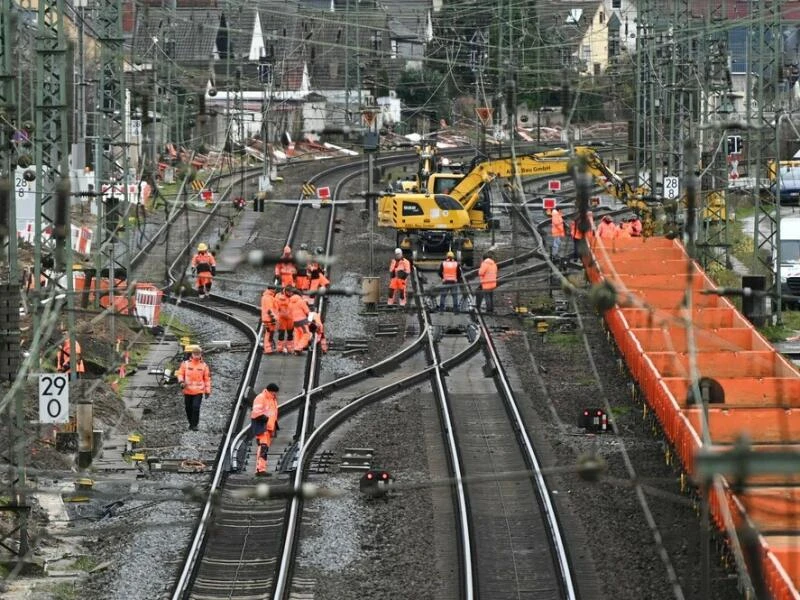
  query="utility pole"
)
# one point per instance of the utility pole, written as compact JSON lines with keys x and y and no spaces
{"x":762,"y":115}
{"x":10,"y":349}
{"x":267,"y":76}
{"x":51,"y":205}
{"x":111,"y":168}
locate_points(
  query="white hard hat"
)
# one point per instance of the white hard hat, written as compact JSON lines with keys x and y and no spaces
{"x":398,"y":252}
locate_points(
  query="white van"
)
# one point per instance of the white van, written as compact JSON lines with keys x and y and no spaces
{"x":790,"y":256}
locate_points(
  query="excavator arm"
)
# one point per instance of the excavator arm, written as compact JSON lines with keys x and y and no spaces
{"x":467,"y":192}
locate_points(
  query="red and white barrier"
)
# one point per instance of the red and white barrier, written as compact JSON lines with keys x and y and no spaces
{"x":148,"y":303}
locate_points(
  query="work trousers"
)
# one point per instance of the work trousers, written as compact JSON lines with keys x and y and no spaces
{"x":556,"y":247}
{"x":192,"y":404}
{"x":489,"y":296}
{"x":450,"y":287}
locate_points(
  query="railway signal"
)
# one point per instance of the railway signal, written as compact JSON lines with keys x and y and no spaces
{"x":593,"y":420}
{"x":376,"y":483}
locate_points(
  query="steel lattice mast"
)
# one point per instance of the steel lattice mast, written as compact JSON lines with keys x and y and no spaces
{"x":8,"y":241}
{"x":764,"y":119}
{"x":111,"y":156}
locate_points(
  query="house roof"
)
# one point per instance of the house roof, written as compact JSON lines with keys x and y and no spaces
{"x":188,"y":34}
{"x":568,"y":20}
{"x":409,"y":17}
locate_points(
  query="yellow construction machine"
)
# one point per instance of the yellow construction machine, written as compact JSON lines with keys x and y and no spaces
{"x":447,"y":207}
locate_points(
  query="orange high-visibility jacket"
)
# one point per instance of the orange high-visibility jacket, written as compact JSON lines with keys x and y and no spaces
{"x":488,"y":274}
{"x":557,"y":224}
{"x":203,"y":261}
{"x":268,"y":309}
{"x":285,"y":271}
{"x":195,"y":375}
{"x":298,"y":308}
{"x":607,"y":230}
{"x":396,"y":267}
{"x":266,"y":405}
{"x":319,"y":280}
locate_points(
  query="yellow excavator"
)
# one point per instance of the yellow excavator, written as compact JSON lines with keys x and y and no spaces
{"x":446,"y":207}
{"x":441,"y":208}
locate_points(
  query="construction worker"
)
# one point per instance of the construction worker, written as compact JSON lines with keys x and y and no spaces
{"x":316,"y":273}
{"x":636,"y":226}
{"x":63,"y":358}
{"x":195,"y":379}
{"x":317,"y":330}
{"x":556,"y":232}
{"x":607,"y":229}
{"x":488,"y":276}
{"x":285,"y":322}
{"x":298,"y":309}
{"x":450,"y":272}
{"x":264,"y":424}
{"x":205,"y":267}
{"x":580,"y":231}
{"x":269,"y":317}
{"x":285,"y":269}
{"x":399,"y":271}
{"x":302,"y":279}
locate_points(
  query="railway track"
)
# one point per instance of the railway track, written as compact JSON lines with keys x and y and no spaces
{"x":241,"y":535}
{"x":246,"y":542}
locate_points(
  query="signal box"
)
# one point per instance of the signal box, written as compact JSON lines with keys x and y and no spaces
{"x":594,"y":420}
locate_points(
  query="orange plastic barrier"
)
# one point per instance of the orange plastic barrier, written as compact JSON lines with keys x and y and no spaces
{"x":760,"y":388}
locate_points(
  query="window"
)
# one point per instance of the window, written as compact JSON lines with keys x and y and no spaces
{"x":446,"y":202}
{"x":790,"y":251}
{"x":445,"y":185}
{"x":616,"y":3}
{"x":601,"y":17}
{"x":597,"y":69}
{"x":586,"y":52}
{"x":411,"y":209}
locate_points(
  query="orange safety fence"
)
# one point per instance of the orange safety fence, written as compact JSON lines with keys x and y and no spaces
{"x":757,"y":390}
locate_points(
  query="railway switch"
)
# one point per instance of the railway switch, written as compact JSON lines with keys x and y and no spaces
{"x":593,"y":420}
{"x":376,"y":482}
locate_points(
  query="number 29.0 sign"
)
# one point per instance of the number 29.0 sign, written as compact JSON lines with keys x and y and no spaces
{"x":53,"y":398}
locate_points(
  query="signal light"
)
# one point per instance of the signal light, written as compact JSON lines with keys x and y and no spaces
{"x":593,"y":420}
{"x":375,"y":482}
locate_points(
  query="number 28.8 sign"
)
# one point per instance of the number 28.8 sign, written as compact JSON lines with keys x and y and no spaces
{"x":53,"y":398}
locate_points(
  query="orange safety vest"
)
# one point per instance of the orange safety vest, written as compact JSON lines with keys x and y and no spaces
{"x":450,"y":271}
{"x":195,"y":375}
{"x":488,"y":274}
{"x":557,"y":224}
{"x":203,"y":261}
